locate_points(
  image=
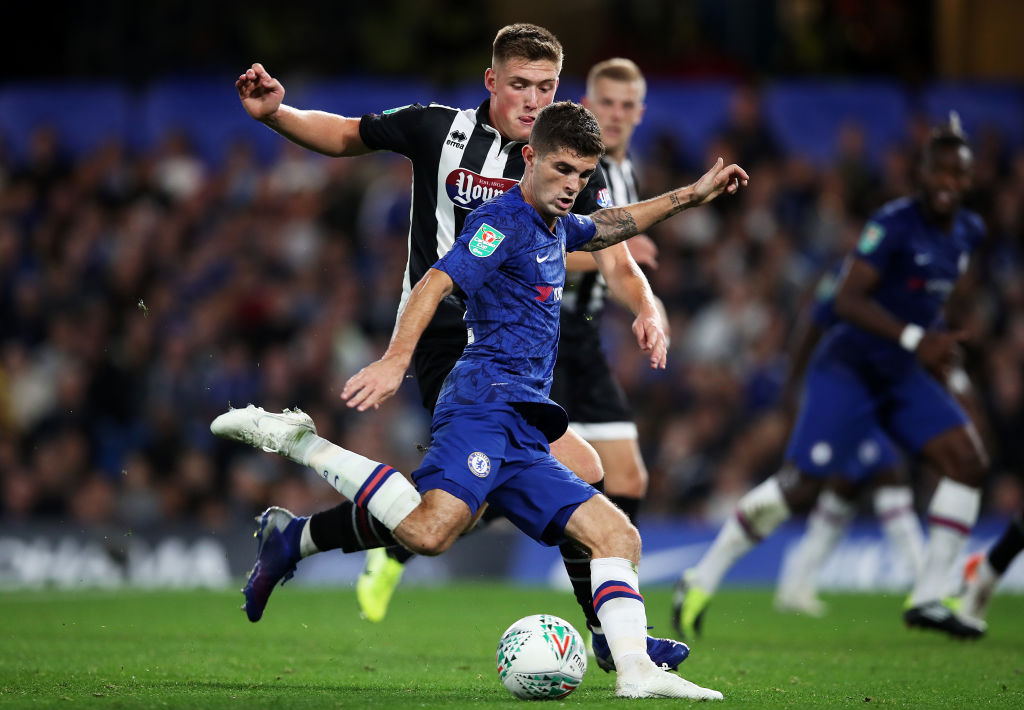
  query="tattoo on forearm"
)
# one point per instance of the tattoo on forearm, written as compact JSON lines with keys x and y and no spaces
{"x":613,"y":226}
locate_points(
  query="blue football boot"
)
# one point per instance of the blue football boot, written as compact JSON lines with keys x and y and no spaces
{"x":277,"y":553}
{"x":666,"y":653}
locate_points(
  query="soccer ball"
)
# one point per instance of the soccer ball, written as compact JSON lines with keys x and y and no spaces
{"x":541,"y":657}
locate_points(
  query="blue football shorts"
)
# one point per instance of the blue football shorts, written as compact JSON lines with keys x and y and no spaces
{"x":842,"y":410}
{"x":489,"y":452}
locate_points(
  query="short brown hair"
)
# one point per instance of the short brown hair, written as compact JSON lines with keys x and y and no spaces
{"x":617,"y":69}
{"x":526,"y":41}
{"x":565,"y":124}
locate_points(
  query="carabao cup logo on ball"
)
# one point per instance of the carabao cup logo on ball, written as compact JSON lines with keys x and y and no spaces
{"x":470,"y":190}
{"x":479,"y":464}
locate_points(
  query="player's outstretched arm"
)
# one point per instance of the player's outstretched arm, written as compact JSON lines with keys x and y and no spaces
{"x":615,"y":224}
{"x":381,"y":379}
{"x":326,"y":133}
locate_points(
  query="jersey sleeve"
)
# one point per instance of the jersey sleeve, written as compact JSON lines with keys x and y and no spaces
{"x":877,"y":242}
{"x":479,"y":251}
{"x":402,"y":130}
{"x":595,"y":196}
{"x":579,"y":230}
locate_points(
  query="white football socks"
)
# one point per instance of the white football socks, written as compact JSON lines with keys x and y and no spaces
{"x":369,"y":484}
{"x":951,"y":515}
{"x":894,"y":506}
{"x":620,"y":608}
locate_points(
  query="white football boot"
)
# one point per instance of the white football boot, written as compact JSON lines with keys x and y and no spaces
{"x":643,"y":679}
{"x":276,"y":433}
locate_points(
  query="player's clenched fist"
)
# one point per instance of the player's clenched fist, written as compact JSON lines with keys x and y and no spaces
{"x":261,"y":94}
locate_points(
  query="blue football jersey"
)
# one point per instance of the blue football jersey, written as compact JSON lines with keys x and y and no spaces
{"x":918,"y":264}
{"x":511,"y":268}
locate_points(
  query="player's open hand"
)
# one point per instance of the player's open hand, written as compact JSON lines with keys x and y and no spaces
{"x":649,"y":330}
{"x":720,"y":178}
{"x":643,"y":250}
{"x":261,"y":94}
{"x":373,"y":384}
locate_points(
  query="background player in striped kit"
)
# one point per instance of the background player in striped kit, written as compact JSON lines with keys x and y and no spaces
{"x":460,"y":159}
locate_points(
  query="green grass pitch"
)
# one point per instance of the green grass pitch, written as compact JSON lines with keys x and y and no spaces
{"x":195,"y":649}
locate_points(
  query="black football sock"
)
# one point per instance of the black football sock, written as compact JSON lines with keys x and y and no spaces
{"x":400,"y":554}
{"x":349,"y":528}
{"x":576,"y":559}
{"x":629,"y":505}
{"x":1007,"y":547}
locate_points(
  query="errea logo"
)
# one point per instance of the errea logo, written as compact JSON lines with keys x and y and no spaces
{"x":457,"y":139}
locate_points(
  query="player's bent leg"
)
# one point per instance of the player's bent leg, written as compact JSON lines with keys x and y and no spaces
{"x":615,"y":545}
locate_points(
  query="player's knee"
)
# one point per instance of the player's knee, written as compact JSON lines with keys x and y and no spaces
{"x":619,"y":540}
{"x":431,"y":543}
{"x":428,"y":534}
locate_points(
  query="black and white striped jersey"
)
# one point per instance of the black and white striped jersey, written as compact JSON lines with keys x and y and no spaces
{"x":584,"y":294}
{"x":459,"y":162}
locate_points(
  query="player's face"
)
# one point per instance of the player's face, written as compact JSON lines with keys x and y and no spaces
{"x":946,"y":177}
{"x":552,"y":181}
{"x":519,"y":89}
{"x":619,"y":107}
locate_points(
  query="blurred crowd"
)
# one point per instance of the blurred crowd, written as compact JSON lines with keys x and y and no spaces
{"x":140,"y":295}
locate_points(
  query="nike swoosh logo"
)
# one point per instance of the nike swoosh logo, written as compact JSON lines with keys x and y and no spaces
{"x":541,"y":261}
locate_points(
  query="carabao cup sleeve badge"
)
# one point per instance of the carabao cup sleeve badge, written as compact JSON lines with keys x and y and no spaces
{"x":485,"y":241}
{"x":479,"y":464}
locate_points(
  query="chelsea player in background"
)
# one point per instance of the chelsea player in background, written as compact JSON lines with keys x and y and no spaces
{"x":881,"y":367}
{"x":494,"y":421}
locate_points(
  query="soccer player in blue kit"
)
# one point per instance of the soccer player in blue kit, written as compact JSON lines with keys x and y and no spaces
{"x":881,"y":367}
{"x":494,"y":421}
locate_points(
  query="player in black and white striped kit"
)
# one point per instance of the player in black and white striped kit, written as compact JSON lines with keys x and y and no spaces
{"x":460,"y":159}
{"x":583,"y":382}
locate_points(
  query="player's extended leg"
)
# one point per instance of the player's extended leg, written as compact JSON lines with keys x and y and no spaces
{"x":759,"y":512}
{"x":956,"y":453}
{"x":983,"y":571}
{"x":379,"y":499}
{"x":615,"y":545}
